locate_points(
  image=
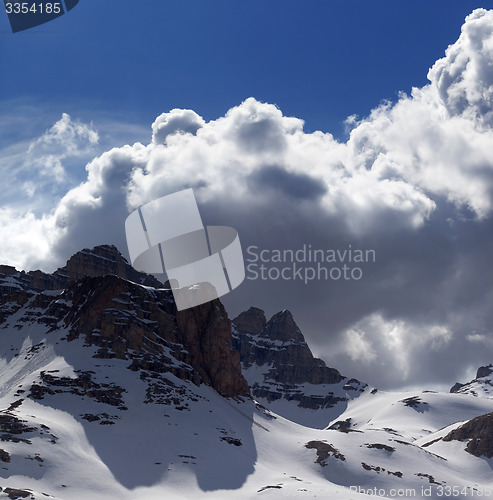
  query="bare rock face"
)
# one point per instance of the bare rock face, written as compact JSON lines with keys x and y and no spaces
{"x":206,"y":331}
{"x":280,"y":344}
{"x":252,"y":321}
{"x":456,"y":387}
{"x":282,"y":363}
{"x":101,"y":261}
{"x":281,"y":327}
{"x":484,"y":371}
{"x":479,"y":434}
{"x":128,"y":321}
{"x":132,"y":322}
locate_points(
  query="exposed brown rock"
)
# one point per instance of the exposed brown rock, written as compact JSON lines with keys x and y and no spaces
{"x":456,"y":387}
{"x":206,"y":331}
{"x":82,"y":385}
{"x":232,"y":440}
{"x":395,"y":473}
{"x":104,"y":303}
{"x":342,"y":426}
{"x":279,"y":343}
{"x":324,"y":451}
{"x":375,"y":468}
{"x":484,"y":371}
{"x":120,"y":316}
{"x":430,"y":478}
{"x":14,"y":493}
{"x":282,"y":327}
{"x":270,"y":486}
{"x":379,"y":446}
{"x":11,"y":302}
{"x":99,"y":261}
{"x":415,"y":402}
{"x":252,"y":321}
{"x":478,"y":432}
{"x":4,"y":456}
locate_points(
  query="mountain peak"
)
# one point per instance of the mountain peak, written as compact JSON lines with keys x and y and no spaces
{"x":484,"y":371}
{"x":253,"y":321}
{"x":482,"y":385}
{"x":100,"y":261}
{"x":283,"y":327}
{"x":283,"y":373}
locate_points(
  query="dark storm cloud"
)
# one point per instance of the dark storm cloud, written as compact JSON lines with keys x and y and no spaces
{"x":293,"y":184}
{"x":260,"y":135}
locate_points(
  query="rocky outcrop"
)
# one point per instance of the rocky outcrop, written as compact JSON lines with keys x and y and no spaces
{"x":324,"y":451}
{"x":484,"y":371}
{"x":479,"y":435}
{"x":456,"y":387}
{"x":482,"y":385}
{"x":99,"y":261}
{"x":285,"y":362}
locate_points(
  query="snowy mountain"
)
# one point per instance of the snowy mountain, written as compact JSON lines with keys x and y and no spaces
{"x":482,"y":385}
{"x":108,"y":392}
{"x":100,"y":261}
{"x":283,"y":374}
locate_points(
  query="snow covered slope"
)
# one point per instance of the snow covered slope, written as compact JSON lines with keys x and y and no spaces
{"x":482,"y":385}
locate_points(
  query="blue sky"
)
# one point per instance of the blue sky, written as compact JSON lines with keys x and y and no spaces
{"x":318,"y":60}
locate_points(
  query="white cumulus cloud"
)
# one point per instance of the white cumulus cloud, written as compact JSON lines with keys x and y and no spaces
{"x":66,"y":138}
{"x":414,"y":181}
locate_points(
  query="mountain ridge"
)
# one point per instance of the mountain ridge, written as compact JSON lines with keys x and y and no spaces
{"x":98,"y":261}
{"x":106,"y":391}
{"x":283,"y":373}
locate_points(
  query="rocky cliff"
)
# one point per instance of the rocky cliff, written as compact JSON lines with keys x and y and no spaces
{"x":279,"y":366}
{"x":101,"y":299}
{"x":478,"y":432}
